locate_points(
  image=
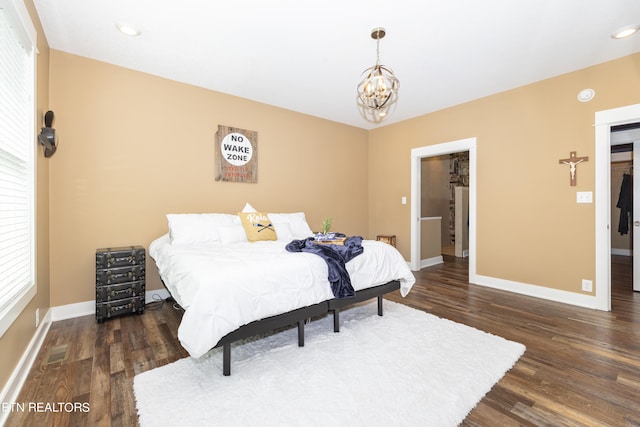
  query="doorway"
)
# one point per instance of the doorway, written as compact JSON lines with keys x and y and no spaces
{"x":444,"y":207}
{"x":417,"y":154}
{"x":625,"y":230}
{"x":605,"y":120}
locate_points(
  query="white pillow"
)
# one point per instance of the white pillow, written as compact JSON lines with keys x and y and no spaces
{"x":185,"y":229}
{"x":283,"y":231}
{"x":297,"y":222}
{"x":232,"y":233}
{"x":248,"y":208}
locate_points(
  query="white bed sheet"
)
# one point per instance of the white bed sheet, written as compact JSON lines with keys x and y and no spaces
{"x":222,"y":287}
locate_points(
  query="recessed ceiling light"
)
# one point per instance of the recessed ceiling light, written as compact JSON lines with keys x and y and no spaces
{"x":128,"y":30}
{"x":586,"y":95}
{"x":624,"y":32}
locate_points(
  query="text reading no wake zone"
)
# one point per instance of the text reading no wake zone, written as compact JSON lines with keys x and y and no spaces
{"x":236,"y":149}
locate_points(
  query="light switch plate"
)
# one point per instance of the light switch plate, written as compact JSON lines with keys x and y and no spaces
{"x":584,"y":197}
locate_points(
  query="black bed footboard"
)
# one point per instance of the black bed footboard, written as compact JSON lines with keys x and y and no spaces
{"x":365,"y":294}
{"x":299,"y":316}
{"x":267,"y":325}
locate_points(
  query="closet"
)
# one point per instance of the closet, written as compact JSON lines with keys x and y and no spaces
{"x":444,"y":205}
{"x":621,"y":199}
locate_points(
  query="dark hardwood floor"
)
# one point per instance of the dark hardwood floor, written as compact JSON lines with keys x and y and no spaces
{"x":581,"y":366}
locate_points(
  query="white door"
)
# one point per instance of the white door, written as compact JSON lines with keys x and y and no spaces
{"x":636,"y":219}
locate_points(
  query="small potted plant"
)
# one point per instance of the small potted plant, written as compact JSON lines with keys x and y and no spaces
{"x":326,"y":231}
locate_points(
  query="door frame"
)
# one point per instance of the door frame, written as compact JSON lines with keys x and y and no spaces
{"x":417,"y":154}
{"x":635,"y":241}
{"x":603,"y":122}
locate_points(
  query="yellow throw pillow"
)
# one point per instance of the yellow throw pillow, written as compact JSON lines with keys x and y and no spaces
{"x":258,"y":226}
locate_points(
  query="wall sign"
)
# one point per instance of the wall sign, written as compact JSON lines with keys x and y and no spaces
{"x":236,"y":155}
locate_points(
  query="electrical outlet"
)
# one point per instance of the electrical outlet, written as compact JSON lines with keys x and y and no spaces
{"x":587,"y":285}
{"x":37,"y":317}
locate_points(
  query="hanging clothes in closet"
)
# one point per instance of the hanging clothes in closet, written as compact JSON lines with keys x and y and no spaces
{"x":625,"y":203}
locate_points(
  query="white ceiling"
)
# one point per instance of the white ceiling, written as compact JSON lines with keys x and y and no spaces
{"x":308,"y":56}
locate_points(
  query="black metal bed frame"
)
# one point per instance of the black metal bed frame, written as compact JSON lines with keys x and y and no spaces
{"x":299,"y":316}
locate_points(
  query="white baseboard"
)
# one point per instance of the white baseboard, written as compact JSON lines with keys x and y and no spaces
{"x":19,"y":375}
{"x":86,"y":308}
{"x":556,"y":295}
{"x":431,"y":261}
{"x":70,"y":311}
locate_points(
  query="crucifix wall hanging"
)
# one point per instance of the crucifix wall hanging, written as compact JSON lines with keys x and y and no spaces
{"x":573,"y":161}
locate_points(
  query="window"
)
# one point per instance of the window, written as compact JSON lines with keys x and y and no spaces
{"x":17,"y":142}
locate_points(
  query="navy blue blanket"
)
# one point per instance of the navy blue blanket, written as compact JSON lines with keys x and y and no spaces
{"x":336,"y":256}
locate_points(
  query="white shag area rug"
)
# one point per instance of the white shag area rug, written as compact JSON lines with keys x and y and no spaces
{"x":407,"y":368}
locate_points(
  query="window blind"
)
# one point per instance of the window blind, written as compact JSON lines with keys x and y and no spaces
{"x":17,"y":272}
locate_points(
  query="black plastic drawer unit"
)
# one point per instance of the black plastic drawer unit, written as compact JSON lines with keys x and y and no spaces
{"x":120,"y":281}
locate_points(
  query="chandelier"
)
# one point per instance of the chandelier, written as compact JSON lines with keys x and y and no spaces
{"x":378,"y":90}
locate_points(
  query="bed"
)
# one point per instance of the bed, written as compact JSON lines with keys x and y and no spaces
{"x":231,"y":288}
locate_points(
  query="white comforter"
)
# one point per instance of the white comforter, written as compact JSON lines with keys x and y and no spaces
{"x":224,"y":287}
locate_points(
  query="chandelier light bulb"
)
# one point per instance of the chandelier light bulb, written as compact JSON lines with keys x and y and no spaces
{"x":368,"y":92}
{"x":381,"y":88}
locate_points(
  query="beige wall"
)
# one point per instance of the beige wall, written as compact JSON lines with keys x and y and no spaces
{"x":16,"y":339}
{"x":430,"y":243}
{"x":135,"y":147}
{"x":435,"y":193}
{"x":529,"y":227}
{"x":461,"y":220}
